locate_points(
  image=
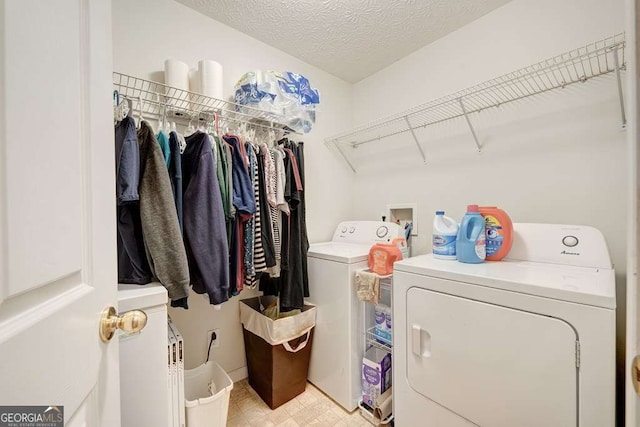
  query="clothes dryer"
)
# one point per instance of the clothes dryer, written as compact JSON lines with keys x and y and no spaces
{"x":528,"y":341}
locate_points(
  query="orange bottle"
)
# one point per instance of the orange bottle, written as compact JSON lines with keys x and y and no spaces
{"x":499,"y":230}
{"x":382,"y":256}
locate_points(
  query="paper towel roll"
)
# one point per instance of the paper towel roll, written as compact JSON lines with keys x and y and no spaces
{"x":176,"y":74}
{"x":210,"y":78}
{"x":194,"y":86}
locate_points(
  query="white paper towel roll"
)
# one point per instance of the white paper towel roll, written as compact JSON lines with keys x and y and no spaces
{"x":194,"y":86}
{"x":210,"y":78}
{"x":176,"y":74}
{"x":194,"y":80}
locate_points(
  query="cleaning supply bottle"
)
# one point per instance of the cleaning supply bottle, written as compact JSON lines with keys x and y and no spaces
{"x":499,"y":231}
{"x":445,"y":232}
{"x":470,"y":246}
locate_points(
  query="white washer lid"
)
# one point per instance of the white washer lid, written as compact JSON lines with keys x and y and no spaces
{"x":347,"y":253}
{"x":583,"y":285}
{"x":136,"y":297}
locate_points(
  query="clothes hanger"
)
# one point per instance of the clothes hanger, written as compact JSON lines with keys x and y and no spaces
{"x":190,"y":129}
{"x":140,"y":116}
{"x":160,"y":116}
{"x":121,"y":107}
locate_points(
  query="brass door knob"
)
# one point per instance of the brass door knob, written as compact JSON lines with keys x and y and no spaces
{"x":130,"y":322}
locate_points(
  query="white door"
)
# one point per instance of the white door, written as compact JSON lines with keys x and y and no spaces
{"x":57,"y":208}
{"x":632,"y":371}
{"x":492,"y":365}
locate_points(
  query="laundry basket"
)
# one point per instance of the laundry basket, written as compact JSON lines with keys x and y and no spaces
{"x":277,"y":351}
{"x":206,"y":395}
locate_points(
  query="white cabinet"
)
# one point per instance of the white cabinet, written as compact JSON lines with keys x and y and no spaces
{"x":144,"y":382}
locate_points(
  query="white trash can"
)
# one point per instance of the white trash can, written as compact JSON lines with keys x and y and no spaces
{"x":206,"y":395}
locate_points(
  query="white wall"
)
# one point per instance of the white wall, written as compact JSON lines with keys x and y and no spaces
{"x":555,"y":158}
{"x":145,"y":33}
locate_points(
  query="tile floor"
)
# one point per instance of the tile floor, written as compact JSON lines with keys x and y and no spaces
{"x":311,"y":408}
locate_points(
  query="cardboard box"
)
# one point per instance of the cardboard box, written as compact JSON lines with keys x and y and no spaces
{"x":376,"y":374}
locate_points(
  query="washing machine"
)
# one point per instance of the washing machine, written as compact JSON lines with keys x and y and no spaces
{"x":336,"y":355}
{"x":528,"y":341}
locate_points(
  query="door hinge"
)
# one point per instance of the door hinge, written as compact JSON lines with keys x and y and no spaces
{"x":635,"y":374}
{"x":578,"y":354}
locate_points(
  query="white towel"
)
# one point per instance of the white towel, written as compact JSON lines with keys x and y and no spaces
{"x":368,"y":286}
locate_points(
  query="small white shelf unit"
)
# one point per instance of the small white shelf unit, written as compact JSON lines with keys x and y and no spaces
{"x":576,"y":66}
{"x":373,"y":340}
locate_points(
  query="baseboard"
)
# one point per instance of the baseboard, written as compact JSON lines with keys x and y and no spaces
{"x":238,"y":374}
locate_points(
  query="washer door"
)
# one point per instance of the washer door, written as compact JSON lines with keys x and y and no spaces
{"x":492,"y":365}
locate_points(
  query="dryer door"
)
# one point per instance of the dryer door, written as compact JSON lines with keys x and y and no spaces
{"x":492,"y":365}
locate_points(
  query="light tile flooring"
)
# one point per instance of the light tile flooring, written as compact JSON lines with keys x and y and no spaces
{"x":311,"y":408}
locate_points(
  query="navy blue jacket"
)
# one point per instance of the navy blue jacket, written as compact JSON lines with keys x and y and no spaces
{"x":244,"y":198}
{"x":205,"y":234}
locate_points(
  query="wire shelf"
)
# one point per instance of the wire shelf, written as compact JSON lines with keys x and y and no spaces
{"x":157,"y":100}
{"x":367,"y":413}
{"x":377,"y":341}
{"x":579,"y":65}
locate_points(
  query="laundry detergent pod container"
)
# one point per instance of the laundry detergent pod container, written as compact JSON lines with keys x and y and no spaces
{"x":470,"y":245}
{"x":382,"y":256}
{"x":499,"y":232}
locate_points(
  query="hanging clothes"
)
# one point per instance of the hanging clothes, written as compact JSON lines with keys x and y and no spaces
{"x":250,"y":224}
{"x":292,"y":285}
{"x":175,"y":174}
{"x":244,"y":202}
{"x":222,"y":172}
{"x":266,"y":234}
{"x":163,"y":142}
{"x":256,"y":226}
{"x":161,"y":231}
{"x":229,"y":155}
{"x":277,"y":205}
{"x":204,"y":221}
{"x":133,"y":266}
{"x":259,"y":261}
{"x":295,"y":286}
{"x":304,"y":237}
{"x":243,"y":197}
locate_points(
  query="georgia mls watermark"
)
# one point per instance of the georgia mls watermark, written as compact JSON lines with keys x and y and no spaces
{"x":31,"y":416}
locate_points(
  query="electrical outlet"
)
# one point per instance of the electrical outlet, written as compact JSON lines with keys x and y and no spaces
{"x":216,"y":341}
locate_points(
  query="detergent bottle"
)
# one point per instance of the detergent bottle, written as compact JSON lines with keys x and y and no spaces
{"x":470,"y":246}
{"x":445,"y":232}
{"x":499,"y":231}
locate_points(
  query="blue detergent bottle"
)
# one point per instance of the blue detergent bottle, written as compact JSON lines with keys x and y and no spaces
{"x":471,"y":242}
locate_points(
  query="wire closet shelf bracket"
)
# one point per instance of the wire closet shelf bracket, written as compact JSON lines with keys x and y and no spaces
{"x":578,"y":65}
{"x":157,"y":100}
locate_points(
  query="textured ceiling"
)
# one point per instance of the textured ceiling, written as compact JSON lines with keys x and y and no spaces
{"x":351,"y":39}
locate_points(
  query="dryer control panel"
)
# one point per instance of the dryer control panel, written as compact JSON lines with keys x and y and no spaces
{"x":367,"y":232}
{"x":576,"y":245}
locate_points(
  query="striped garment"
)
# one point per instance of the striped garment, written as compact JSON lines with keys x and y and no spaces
{"x":259,"y":260}
{"x":277,"y":184}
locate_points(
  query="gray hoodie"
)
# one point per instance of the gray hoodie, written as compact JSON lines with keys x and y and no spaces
{"x":160,"y":228}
